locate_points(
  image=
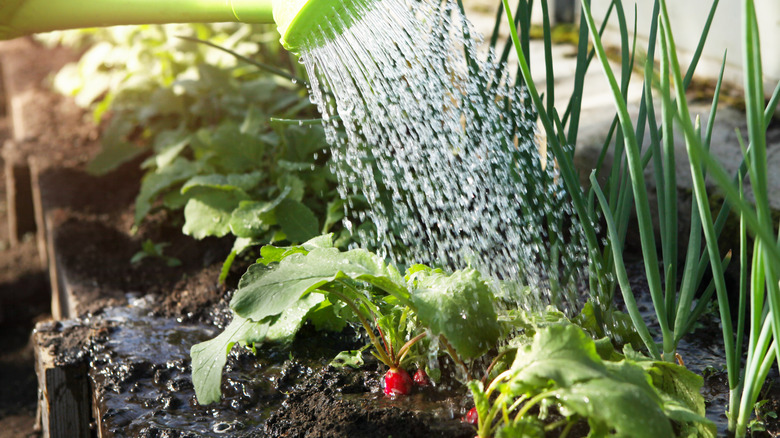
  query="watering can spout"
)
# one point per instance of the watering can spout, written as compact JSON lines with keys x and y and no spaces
{"x":22,"y":17}
{"x":295,"y":19}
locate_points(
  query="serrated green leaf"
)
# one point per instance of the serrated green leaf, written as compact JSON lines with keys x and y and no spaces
{"x":240,"y":245}
{"x":293,"y":186}
{"x":414,"y":269}
{"x":680,"y":390}
{"x":157,"y":182}
{"x":174,"y":200}
{"x":328,"y":316}
{"x":527,"y":427}
{"x":290,"y":321}
{"x":261,"y":90}
{"x":274,"y":254}
{"x":160,"y":102}
{"x":334,"y":214}
{"x":562,"y":353}
{"x":350,"y":358}
{"x":209,"y":357}
{"x":460,"y":307}
{"x":481,"y":399}
{"x":233,"y":181}
{"x":303,"y":141}
{"x":231,"y":151}
{"x":613,"y":396}
{"x":116,"y":149}
{"x":293,"y":166}
{"x":678,"y":382}
{"x":323,"y":241}
{"x":252,"y":219}
{"x":209,"y":213}
{"x":621,"y":328}
{"x":269,"y":291}
{"x":298,"y":222}
{"x":173,"y":147}
{"x":254,"y":121}
{"x":618,"y":401}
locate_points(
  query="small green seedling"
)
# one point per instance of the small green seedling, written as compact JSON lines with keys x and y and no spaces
{"x":149,"y":249}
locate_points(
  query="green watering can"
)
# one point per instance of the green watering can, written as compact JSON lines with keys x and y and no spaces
{"x":295,"y":19}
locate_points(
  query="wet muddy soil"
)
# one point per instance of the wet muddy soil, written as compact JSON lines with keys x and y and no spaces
{"x":140,"y":371}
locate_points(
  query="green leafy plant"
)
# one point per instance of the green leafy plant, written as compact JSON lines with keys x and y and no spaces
{"x":759,"y":276}
{"x":258,"y":189}
{"x":563,"y":368}
{"x":142,"y":81}
{"x":279,"y":293}
{"x":218,"y":155}
{"x":759,"y":273}
{"x":149,"y":249}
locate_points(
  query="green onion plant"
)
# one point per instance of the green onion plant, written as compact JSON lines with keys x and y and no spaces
{"x":625,"y":185}
{"x":676,"y":310}
{"x":674,"y":306}
{"x":759,"y":271}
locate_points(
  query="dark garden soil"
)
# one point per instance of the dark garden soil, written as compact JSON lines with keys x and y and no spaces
{"x":138,"y":321}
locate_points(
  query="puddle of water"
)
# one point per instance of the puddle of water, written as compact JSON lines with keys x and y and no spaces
{"x":140,"y":369}
{"x":142,"y":375}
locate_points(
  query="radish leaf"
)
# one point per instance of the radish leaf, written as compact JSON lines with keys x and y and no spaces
{"x":460,"y":307}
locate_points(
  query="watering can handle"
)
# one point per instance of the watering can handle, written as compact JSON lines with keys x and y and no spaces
{"x":23,"y":17}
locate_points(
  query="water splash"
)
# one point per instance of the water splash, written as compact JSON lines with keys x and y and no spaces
{"x":440,"y":145}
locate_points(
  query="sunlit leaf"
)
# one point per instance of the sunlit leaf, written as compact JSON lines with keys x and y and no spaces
{"x":460,"y":307}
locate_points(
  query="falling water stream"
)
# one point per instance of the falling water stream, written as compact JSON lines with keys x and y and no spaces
{"x":440,"y":145}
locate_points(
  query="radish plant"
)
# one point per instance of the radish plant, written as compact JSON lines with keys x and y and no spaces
{"x":278,"y":294}
{"x":562,"y":368}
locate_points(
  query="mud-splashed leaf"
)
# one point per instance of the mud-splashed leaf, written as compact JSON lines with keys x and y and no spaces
{"x":209,"y":357}
{"x":617,"y":398}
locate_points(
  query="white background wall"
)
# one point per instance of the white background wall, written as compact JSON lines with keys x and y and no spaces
{"x":688,"y":18}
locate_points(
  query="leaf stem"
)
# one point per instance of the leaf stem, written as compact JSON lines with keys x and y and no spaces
{"x":531,"y":403}
{"x":493,"y":364}
{"x":408,"y":345}
{"x":454,"y":356}
{"x":263,"y":66}
{"x":381,"y":354}
{"x":388,"y":348}
{"x":496,"y":381}
{"x":568,"y":428}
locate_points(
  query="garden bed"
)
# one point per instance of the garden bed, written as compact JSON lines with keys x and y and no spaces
{"x":128,"y":328}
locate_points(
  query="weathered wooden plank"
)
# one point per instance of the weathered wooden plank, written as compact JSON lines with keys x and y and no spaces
{"x":40,"y":222}
{"x":63,"y":389}
{"x":64,"y":302}
{"x":19,"y":193}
